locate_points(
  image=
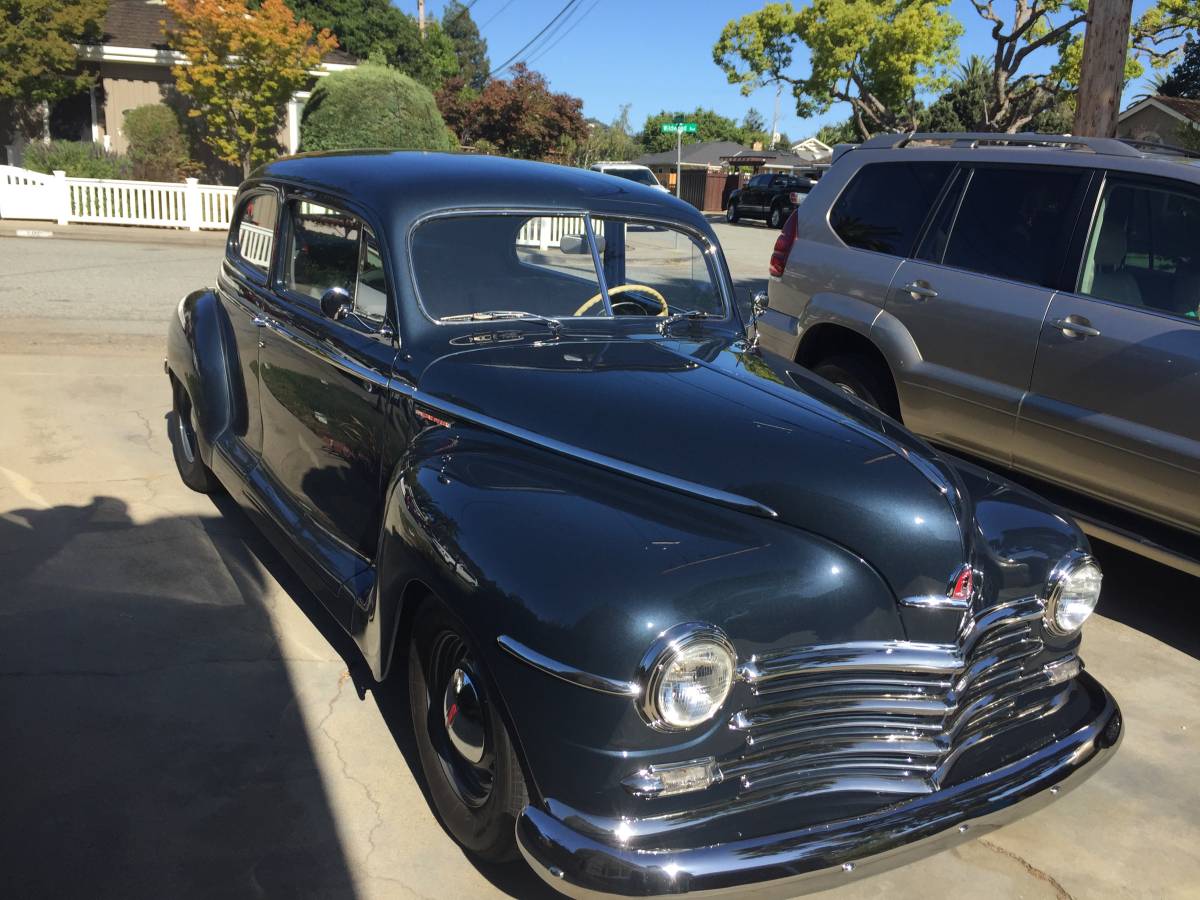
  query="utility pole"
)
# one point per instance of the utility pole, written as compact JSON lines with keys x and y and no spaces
{"x":1102,"y":70}
{"x":421,"y":17}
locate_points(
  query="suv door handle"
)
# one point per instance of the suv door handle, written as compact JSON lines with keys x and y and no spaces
{"x":1075,"y":327}
{"x":920,"y":290}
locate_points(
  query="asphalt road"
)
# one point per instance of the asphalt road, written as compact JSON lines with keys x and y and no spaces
{"x":179,"y":718}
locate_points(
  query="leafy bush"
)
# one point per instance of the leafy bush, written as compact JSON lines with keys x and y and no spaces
{"x":158,"y":150}
{"x":79,"y":159}
{"x":372,"y":106}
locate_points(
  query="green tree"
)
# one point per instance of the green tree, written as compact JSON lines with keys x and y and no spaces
{"x":469,"y":47}
{"x":840,"y":133}
{"x":430,"y":60}
{"x":39,"y":59}
{"x":1162,"y":32}
{"x":610,"y":142}
{"x":965,"y":103}
{"x":519,"y":116}
{"x":710,"y":126}
{"x":1184,"y":79}
{"x":879,"y":56}
{"x":372,"y":106}
{"x":364,"y":27}
{"x":242,"y":67}
{"x":753,"y":121}
{"x":158,"y":149}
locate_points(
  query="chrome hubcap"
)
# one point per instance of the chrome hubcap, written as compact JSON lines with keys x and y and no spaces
{"x":463,"y":715}
{"x":185,"y":434}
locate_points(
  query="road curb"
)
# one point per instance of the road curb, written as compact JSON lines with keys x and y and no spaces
{"x":124,"y":234}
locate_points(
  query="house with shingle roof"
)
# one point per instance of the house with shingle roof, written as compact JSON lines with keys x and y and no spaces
{"x":1160,"y":120}
{"x":132,"y":64}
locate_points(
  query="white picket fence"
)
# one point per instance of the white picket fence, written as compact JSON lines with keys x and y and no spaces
{"x":545,"y":232}
{"x":191,"y":205}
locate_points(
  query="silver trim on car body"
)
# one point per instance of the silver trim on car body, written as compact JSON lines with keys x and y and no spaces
{"x":567,"y":673}
{"x":710,"y":250}
{"x":333,"y":357}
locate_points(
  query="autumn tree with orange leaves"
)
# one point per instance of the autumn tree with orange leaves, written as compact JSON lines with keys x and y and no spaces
{"x":243,"y":65}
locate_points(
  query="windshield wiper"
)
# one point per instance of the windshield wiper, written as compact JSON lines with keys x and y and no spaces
{"x":664,"y":325}
{"x":494,"y":314}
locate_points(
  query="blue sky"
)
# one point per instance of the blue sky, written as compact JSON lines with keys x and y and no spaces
{"x":657,"y":54}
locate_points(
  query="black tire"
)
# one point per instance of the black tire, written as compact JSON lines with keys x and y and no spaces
{"x":731,"y":213}
{"x":479,"y":812}
{"x":184,"y":446}
{"x":864,"y":378}
{"x":776,"y":218}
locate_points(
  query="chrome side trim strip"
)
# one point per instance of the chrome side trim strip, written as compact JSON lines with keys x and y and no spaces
{"x":566,"y":673}
{"x":661,"y":479}
{"x":328,"y":354}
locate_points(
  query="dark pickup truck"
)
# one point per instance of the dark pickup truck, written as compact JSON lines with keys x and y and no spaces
{"x":769,"y":197}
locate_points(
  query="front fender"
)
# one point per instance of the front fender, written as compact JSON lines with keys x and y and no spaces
{"x":589,"y":567}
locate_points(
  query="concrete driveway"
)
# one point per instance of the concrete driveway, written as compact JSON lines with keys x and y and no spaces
{"x":180,"y":718}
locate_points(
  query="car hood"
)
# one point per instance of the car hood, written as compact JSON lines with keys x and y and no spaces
{"x":691,"y":419}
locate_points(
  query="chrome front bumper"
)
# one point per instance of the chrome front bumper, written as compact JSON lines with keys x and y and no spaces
{"x":817,"y":858}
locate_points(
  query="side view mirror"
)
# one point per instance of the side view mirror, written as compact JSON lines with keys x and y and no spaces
{"x":577,"y":244}
{"x":759,"y":303}
{"x":336,"y":303}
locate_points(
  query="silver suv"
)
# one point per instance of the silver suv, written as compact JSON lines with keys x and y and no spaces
{"x":1026,"y":299}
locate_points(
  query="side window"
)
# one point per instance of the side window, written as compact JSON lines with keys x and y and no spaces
{"x":759,"y":181}
{"x":885,"y":204}
{"x":1015,"y":223}
{"x":1144,"y":250}
{"x":328,"y":248}
{"x":256,"y":230}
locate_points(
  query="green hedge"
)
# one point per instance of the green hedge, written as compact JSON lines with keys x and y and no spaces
{"x":79,"y":159}
{"x":372,"y":106}
{"x":158,"y":149}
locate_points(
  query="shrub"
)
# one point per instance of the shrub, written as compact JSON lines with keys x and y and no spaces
{"x":372,"y":106}
{"x":158,"y":150}
{"x":79,"y":159}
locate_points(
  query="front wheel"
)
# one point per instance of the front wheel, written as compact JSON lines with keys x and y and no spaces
{"x":731,"y":213}
{"x":468,"y":759}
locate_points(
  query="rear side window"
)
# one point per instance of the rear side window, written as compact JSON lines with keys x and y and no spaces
{"x":256,"y":230}
{"x":884,"y":205}
{"x":1015,"y":223}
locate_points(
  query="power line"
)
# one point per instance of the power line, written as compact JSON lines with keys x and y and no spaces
{"x":546,"y":49}
{"x":458,"y":15}
{"x":493,"y":16}
{"x":570,"y":4}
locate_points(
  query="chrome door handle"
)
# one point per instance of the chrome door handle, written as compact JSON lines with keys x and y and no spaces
{"x":1076,"y":329}
{"x":920,"y":290}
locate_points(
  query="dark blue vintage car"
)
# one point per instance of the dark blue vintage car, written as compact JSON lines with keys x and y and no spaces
{"x":668,"y":624}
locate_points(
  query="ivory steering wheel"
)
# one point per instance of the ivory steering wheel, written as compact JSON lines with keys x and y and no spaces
{"x":621,"y":289}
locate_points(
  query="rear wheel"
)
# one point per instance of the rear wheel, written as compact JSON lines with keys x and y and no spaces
{"x":468,"y":759}
{"x":184,"y":446}
{"x":731,"y":213}
{"x":776,"y":218}
{"x":864,"y":378}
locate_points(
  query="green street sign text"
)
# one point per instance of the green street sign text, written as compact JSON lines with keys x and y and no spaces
{"x":672,"y":127}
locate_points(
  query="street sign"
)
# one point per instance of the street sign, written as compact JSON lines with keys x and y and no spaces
{"x":678,"y":127}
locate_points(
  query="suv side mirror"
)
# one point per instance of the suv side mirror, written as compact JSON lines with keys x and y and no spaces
{"x":336,"y":303}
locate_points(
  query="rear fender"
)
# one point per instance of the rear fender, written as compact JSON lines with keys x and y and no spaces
{"x":197,"y":357}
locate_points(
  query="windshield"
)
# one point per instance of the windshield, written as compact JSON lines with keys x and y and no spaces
{"x":467,"y":265}
{"x":641,"y":176}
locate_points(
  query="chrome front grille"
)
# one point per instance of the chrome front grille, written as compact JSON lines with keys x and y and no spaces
{"x":891,"y":717}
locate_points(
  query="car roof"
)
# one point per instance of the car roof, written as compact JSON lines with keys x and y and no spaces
{"x":1031,"y":149}
{"x":410,"y":184}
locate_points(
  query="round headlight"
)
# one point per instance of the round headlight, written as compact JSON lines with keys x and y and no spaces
{"x":1074,"y":590}
{"x":686,"y":676}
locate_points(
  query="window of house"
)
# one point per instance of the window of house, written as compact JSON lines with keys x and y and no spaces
{"x":1144,"y":250}
{"x":1015,"y":223}
{"x":885,"y":204}
{"x":256,"y":230}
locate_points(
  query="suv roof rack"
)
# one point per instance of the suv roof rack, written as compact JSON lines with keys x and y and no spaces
{"x":972,"y":139}
{"x":1164,"y":149}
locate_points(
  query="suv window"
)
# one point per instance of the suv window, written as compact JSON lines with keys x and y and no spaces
{"x":759,"y":181}
{"x":1015,"y":223}
{"x":256,"y":230}
{"x":328,"y":248}
{"x":885,"y":204}
{"x":1144,"y":249}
